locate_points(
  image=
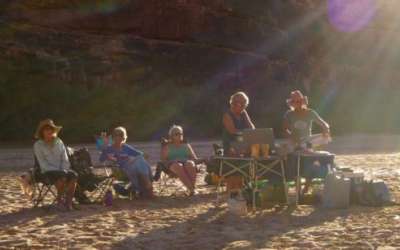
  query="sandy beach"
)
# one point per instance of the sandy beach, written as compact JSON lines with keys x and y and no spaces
{"x":180,"y":222}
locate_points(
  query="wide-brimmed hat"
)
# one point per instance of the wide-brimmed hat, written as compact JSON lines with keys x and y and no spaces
{"x":297,"y":95}
{"x":46,"y":123}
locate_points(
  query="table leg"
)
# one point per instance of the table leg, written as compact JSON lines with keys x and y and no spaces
{"x":219,"y":181}
{"x":298,"y":180}
{"x":286,"y":189}
{"x":253,"y":177}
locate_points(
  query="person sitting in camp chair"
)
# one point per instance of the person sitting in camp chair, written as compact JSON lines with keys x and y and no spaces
{"x":52,"y":157}
{"x":131,"y":161}
{"x":179,"y":158}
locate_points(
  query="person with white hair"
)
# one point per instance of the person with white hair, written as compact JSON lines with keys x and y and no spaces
{"x":234,"y":120}
{"x":180,"y":157}
{"x":131,"y":161}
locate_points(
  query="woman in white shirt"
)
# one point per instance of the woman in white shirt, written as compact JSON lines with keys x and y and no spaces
{"x":52,"y":157}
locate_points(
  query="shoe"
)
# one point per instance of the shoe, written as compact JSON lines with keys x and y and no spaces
{"x":84,"y":200}
{"x":192,"y":192}
{"x":60,"y":207}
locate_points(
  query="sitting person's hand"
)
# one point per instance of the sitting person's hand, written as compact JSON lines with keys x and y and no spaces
{"x":146,"y":156}
{"x":104,"y":137}
{"x":326,"y":133}
{"x":111,"y":157}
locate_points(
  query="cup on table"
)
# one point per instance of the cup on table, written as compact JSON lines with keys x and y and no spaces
{"x":264,"y":150}
{"x":255,"y":150}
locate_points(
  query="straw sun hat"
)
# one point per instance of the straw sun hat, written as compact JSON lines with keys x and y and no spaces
{"x":297,"y":95}
{"x":46,"y":123}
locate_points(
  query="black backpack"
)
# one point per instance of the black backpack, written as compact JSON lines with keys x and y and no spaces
{"x":80,"y":160}
{"x":81,"y":163}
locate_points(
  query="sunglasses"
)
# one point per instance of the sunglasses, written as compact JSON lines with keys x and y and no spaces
{"x":175,"y":134}
{"x":297,"y":101}
{"x":240,"y":104}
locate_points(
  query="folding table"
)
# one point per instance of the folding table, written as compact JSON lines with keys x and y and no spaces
{"x":230,"y":166}
{"x":268,"y":168}
{"x":303,"y":161}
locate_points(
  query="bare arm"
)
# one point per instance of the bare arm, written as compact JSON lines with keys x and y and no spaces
{"x":248,"y":120}
{"x":228,"y":124}
{"x":164,"y":153}
{"x":286,"y":128}
{"x":323,"y":124}
{"x":193,"y":155}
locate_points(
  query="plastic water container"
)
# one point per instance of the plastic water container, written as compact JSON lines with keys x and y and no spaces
{"x":336,"y":192}
{"x":292,"y":195}
{"x":237,"y":205}
{"x":355,"y":177}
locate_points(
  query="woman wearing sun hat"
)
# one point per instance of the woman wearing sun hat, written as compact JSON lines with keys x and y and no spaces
{"x":299,"y":118}
{"x":52,"y":157}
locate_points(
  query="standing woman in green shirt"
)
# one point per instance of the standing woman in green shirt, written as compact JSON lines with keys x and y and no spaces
{"x":180,"y":157}
{"x":299,"y":118}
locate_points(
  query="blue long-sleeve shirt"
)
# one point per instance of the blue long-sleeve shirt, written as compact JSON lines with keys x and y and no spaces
{"x":124,"y":156}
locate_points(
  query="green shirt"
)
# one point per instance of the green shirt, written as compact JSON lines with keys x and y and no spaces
{"x":300,"y":125}
{"x":180,"y":152}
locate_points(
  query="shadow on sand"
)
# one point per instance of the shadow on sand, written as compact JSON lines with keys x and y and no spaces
{"x":217,"y":228}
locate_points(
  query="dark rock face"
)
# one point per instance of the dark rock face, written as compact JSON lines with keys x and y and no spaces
{"x":93,"y":52}
{"x":254,"y":33}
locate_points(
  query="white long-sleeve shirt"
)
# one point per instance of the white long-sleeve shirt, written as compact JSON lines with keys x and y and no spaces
{"x":51,"y":157}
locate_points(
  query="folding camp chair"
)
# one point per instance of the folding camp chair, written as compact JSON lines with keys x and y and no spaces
{"x":119,"y":180}
{"x":43,"y":190}
{"x":91,"y":186}
{"x":167,"y":180}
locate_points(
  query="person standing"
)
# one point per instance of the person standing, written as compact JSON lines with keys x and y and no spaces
{"x":234,"y":120}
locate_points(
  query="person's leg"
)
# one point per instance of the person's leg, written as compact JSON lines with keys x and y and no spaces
{"x":146,"y":187}
{"x":70,"y":188}
{"x":177,"y":169}
{"x":307,"y":185}
{"x":143,"y":171}
{"x":132,"y":175}
{"x":143,"y":167}
{"x":190,"y":171}
{"x":60,"y":186}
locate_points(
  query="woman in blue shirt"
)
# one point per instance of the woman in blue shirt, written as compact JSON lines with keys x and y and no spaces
{"x":130,"y":160}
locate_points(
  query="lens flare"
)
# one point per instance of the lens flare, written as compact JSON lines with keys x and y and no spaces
{"x":351,"y":16}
